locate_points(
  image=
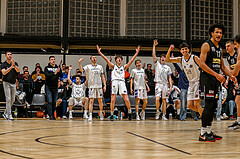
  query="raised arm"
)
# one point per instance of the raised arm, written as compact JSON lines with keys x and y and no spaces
{"x":155,"y":43}
{"x":172,"y":59}
{"x":126,"y":66}
{"x":203,"y":56}
{"x":69,"y":73}
{"x":110,"y":64}
{"x":79,"y":65}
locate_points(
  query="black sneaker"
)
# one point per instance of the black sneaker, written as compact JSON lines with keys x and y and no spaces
{"x":178,"y":117}
{"x":129,"y":116}
{"x":217,"y":137}
{"x":206,"y":138}
{"x":111,"y":118}
{"x":234,"y":126}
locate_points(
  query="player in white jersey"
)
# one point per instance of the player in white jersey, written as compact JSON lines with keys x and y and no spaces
{"x":78,"y":95}
{"x":141,"y":88}
{"x":118,"y":80}
{"x":162,"y":81}
{"x":190,"y":65}
{"x":95,"y":78}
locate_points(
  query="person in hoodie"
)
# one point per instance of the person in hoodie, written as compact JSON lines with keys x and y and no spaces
{"x":52,"y":73}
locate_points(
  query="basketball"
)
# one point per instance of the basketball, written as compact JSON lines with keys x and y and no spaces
{"x":123,"y":114}
{"x":99,"y":113}
{"x":40,"y":114}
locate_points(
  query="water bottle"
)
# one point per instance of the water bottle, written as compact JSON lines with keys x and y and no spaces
{"x":170,"y":116}
{"x":121,"y":115}
{"x":15,"y":112}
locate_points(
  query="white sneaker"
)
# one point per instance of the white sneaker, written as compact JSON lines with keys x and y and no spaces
{"x":164,"y":118}
{"x":10,"y":118}
{"x":225,"y":116}
{"x":101,"y":116}
{"x":85,"y":116}
{"x":64,"y":117}
{"x":142,"y":114}
{"x":157,"y":115}
{"x":5,"y":116}
{"x":218,"y":119}
{"x":137,"y":118}
{"x":70,"y":116}
{"x":47,"y":116}
{"x":90,"y":118}
{"x":221,"y":117}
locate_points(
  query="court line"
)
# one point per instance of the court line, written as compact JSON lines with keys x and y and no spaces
{"x":15,"y":154}
{"x":173,"y":148}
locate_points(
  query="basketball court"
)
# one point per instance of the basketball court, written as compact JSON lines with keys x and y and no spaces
{"x":39,"y":138}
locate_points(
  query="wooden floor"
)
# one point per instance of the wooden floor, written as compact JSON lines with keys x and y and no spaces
{"x":34,"y":138}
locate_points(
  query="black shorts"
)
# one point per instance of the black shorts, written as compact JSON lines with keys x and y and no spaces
{"x":210,"y":86}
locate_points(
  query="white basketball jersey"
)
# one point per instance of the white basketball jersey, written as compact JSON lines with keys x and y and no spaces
{"x":118,"y":73}
{"x":139,"y":78}
{"x":93,"y":74}
{"x":191,"y":69}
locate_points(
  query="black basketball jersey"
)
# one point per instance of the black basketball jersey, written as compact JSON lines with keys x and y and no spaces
{"x":214,"y":57}
{"x":232,"y":60}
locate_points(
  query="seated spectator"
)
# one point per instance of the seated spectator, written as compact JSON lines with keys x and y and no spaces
{"x":65,"y":75}
{"x":27,"y":83}
{"x":231,"y":99}
{"x":61,"y":103}
{"x":79,"y":74}
{"x":37,"y":65}
{"x":25,"y":68}
{"x":63,"y":67}
{"x":0,"y":71}
{"x":174,"y":99}
{"x":38,"y":79}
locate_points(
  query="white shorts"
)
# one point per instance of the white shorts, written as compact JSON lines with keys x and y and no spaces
{"x":161,"y":90}
{"x":140,"y":93}
{"x":95,"y":93}
{"x":193,"y":91}
{"x":119,"y":86}
{"x":73,"y":101}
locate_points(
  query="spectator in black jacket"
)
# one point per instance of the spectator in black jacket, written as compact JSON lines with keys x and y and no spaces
{"x":52,"y":73}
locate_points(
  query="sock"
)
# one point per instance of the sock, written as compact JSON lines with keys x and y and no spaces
{"x":209,"y":129}
{"x":143,"y":111}
{"x":157,"y":111}
{"x":129,"y":111}
{"x":111,"y":112}
{"x":70,"y":112}
{"x":85,"y":112}
{"x":136,"y":113}
{"x":238,"y":119}
{"x":203,"y":130}
{"x":90,"y":114}
{"x":178,"y":111}
{"x":163,"y":115}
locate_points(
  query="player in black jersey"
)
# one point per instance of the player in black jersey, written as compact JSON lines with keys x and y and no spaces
{"x":234,"y":64}
{"x":211,"y":62}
